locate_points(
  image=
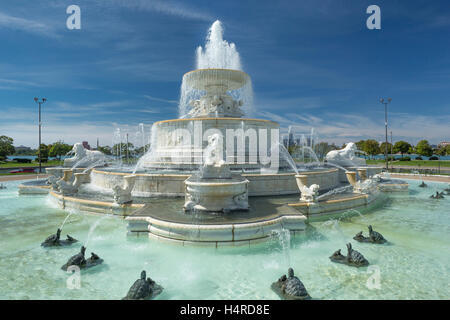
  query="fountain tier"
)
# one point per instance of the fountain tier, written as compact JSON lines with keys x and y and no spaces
{"x":179,"y":143}
{"x":215,"y":83}
{"x":216,"y":195}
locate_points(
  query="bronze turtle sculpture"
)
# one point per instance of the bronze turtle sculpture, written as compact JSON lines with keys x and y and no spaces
{"x":354,"y":258}
{"x":143,"y":288}
{"x":374,"y":237}
{"x":54,"y":240}
{"x":290,"y":287}
{"x":80,"y":261}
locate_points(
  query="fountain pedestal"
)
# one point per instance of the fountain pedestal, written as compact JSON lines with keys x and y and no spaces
{"x":214,"y":189}
{"x":362,"y":172}
{"x":216,"y":195}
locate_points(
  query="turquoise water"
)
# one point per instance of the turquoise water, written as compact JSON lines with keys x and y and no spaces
{"x":414,"y":265}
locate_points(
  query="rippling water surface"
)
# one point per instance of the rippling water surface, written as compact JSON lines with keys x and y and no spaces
{"x":414,"y":265}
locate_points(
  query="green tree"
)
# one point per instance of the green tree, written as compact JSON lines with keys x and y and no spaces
{"x":122,"y":149}
{"x":447,"y":150}
{"x":371,"y":147}
{"x":402,"y":147}
{"x":105,"y":149}
{"x":383,"y":146}
{"x":423,"y":148}
{"x":6,"y":146}
{"x":59,"y":149}
{"x":140,"y":150}
{"x":443,"y":151}
{"x":322,"y":148}
{"x":360,"y":144}
{"x":44,"y":152}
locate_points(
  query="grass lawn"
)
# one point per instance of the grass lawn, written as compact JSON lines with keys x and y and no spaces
{"x":4,"y":164}
{"x":415,"y":163}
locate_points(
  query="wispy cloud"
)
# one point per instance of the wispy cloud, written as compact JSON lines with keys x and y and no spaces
{"x":340,"y":127}
{"x":27,"y":25}
{"x":160,"y":100}
{"x":173,"y":8}
{"x":18,"y":82}
{"x":67,"y":106}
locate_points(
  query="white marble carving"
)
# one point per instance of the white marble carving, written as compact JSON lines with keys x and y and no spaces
{"x":214,"y":188}
{"x":122,"y":194}
{"x":345,"y":157}
{"x":83,"y":157}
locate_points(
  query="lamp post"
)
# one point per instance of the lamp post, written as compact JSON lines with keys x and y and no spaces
{"x":39,"y":102}
{"x":386,"y":102}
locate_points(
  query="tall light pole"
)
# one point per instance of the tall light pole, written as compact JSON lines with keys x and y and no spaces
{"x":39,"y":102}
{"x":386,"y":102}
{"x":392,"y":155}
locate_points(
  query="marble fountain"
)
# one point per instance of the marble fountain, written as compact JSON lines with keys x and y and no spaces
{"x":213,"y":176}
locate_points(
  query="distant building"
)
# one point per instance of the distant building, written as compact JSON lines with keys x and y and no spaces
{"x":23,"y":148}
{"x":86,"y":145}
{"x":443,"y":144}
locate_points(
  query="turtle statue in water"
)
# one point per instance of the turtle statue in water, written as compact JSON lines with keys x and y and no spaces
{"x":439,"y":195}
{"x":423,"y":184}
{"x":374,"y":237}
{"x":80,"y":261}
{"x":353,"y":258}
{"x":143,"y":289}
{"x":55,"y":240}
{"x":290,"y":287}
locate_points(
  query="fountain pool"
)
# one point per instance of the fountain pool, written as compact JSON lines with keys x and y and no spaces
{"x":414,"y":265}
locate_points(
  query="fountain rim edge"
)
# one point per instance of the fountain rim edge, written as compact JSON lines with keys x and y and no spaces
{"x":222,"y":69}
{"x":223,"y":118}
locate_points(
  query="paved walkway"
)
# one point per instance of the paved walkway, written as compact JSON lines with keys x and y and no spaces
{"x":421,"y":177}
{"x":22,"y":177}
{"x":442,"y":168}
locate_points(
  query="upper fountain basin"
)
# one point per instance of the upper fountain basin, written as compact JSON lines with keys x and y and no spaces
{"x":210,"y":79}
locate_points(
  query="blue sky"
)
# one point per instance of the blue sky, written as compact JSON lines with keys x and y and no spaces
{"x":313,"y":64}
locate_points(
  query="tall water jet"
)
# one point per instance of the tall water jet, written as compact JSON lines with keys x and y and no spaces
{"x":218,"y":53}
{"x":222,"y":87}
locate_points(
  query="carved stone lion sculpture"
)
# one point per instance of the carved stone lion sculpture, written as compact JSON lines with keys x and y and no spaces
{"x":309,"y":194}
{"x":345,"y":157}
{"x":83,"y":157}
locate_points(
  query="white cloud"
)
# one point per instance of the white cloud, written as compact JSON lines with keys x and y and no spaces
{"x":331,"y":127}
{"x":31,"y":26}
{"x":173,"y":8}
{"x":27,"y":134}
{"x":340,"y":128}
{"x":160,"y":100}
{"x":19,"y":82}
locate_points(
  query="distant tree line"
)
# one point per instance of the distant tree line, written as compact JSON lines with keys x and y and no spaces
{"x":423,"y":148}
{"x":370,"y":147}
{"x":6,"y":147}
{"x":59,"y":149}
